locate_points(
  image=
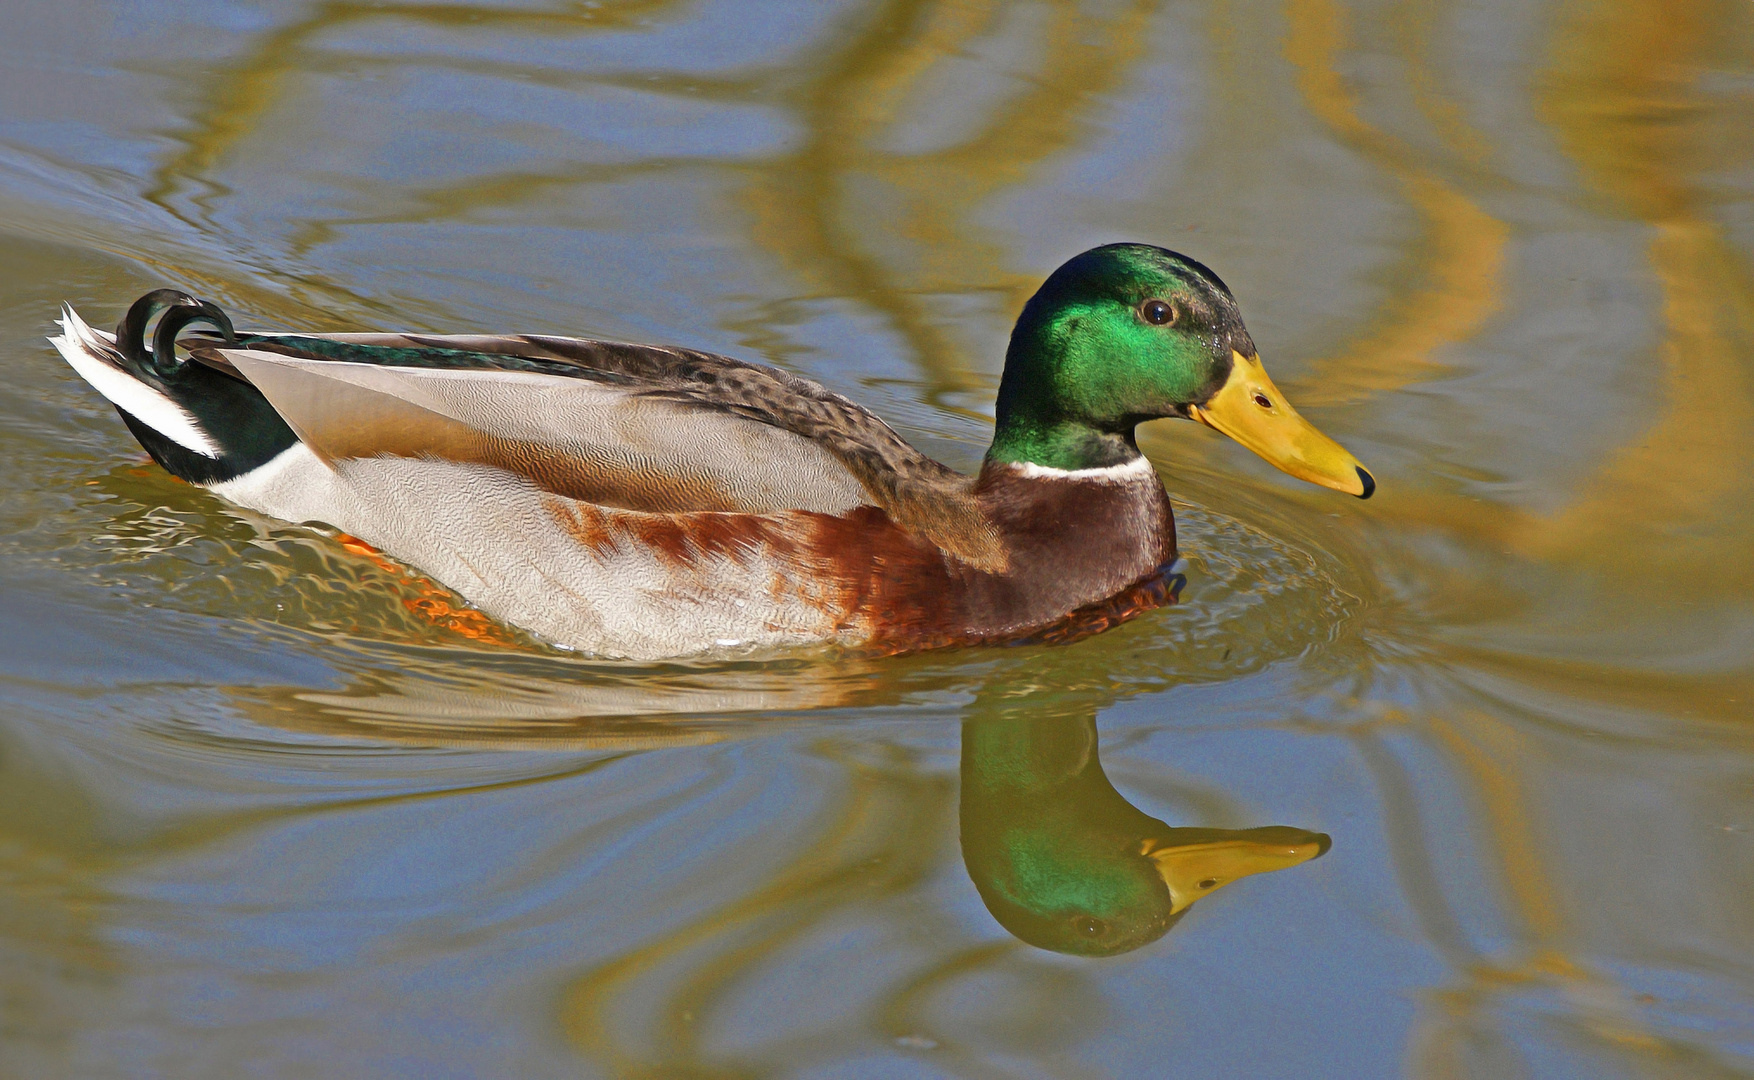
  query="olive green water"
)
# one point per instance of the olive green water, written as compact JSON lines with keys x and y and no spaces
{"x":266,"y":811}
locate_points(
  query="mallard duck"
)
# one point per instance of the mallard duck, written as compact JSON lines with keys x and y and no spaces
{"x":1064,"y":862}
{"x":647,"y":502}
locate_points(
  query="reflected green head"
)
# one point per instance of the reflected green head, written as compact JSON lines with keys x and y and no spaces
{"x":1118,"y":335}
{"x":1089,"y":893}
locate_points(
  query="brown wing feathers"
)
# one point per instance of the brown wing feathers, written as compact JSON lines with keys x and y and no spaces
{"x":920,"y":494}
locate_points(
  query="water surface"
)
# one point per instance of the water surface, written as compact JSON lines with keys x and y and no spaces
{"x":268,"y":807}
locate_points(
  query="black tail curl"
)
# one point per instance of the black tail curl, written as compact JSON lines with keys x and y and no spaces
{"x":180,"y":312}
{"x":234,"y":414}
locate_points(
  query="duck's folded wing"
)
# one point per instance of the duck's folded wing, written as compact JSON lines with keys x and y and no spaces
{"x":586,"y":440}
{"x":631,"y":426}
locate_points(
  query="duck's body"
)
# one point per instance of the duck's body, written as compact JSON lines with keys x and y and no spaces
{"x":644,"y":584}
{"x":648,"y":502}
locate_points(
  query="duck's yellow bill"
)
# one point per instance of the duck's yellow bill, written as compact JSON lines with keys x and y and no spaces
{"x":1197,"y":870}
{"x":1251,"y":410}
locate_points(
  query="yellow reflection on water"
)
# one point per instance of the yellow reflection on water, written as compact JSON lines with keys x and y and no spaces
{"x":244,"y":92}
{"x":854,"y":210}
{"x":1487,"y":752}
{"x":1456,"y":283}
{"x":873,"y":841}
{"x":810,"y":208}
{"x":1622,"y":97}
{"x":1059,"y":857}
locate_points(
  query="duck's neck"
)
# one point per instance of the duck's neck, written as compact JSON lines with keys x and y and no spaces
{"x":1048,"y":411}
{"x":1061,"y":444}
{"x":1076,"y":539}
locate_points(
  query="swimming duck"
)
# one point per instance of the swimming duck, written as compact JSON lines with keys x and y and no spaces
{"x":646,"y":502}
{"x":1064,"y":862}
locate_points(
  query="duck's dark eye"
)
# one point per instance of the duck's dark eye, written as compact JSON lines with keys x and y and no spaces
{"x":1157,"y":312}
{"x":1088,"y":926}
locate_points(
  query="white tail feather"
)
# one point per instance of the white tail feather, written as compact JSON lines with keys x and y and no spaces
{"x":91,"y":353}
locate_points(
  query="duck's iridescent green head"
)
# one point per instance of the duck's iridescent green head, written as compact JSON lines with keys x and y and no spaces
{"x":1126,"y":333}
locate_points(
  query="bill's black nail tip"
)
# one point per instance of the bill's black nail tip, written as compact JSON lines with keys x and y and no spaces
{"x":1368,"y":481}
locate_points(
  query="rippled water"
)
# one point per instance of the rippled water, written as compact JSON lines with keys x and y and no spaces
{"x":267,"y":807}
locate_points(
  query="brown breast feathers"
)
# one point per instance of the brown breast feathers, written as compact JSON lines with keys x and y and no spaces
{"x":1071,"y":543}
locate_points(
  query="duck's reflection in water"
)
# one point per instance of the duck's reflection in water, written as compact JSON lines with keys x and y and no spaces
{"x":1061,"y":859}
{"x":1064,"y":862}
